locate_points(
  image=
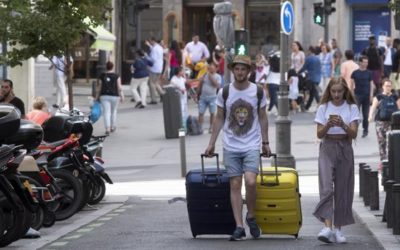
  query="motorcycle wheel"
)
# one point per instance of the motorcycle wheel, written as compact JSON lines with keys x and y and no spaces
{"x":17,"y":222}
{"x":2,"y":223}
{"x":86,"y":191}
{"x":71,"y":190}
{"x":49,"y":219}
{"x":99,"y":191}
{"x":38,"y":216}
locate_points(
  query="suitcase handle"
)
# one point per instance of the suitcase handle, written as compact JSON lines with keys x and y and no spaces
{"x":203,"y":175}
{"x":276,"y":183}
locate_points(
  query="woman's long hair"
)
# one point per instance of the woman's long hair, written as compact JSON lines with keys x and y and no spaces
{"x":178,"y":52}
{"x":348,"y":95}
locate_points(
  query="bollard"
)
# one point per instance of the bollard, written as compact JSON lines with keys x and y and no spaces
{"x":366,"y":194}
{"x":396,"y":208}
{"x":373,"y":190}
{"x":182,"y":144}
{"x":360,"y":178}
{"x":385,"y":172}
{"x":393,"y":155}
{"x":388,"y":208}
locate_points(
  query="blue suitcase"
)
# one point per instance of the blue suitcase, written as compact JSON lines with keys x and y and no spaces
{"x":208,"y":200}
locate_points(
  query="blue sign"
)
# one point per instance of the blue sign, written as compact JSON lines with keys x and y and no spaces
{"x":367,"y":23}
{"x":287,"y":17}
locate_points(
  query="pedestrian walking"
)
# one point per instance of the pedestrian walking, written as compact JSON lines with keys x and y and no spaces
{"x":389,"y":54}
{"x":7,"y":95}
{"x":337,"y":125}
{"x":375,"y":63}
{"x":298,"y":57}
{"x":109,"y":92}
{"x":383,"y":105}
{"x":40,"y":112}
{"x":348,"y":67}
{"x":273,"y":81}
{"x":293,"y":81}
{"x":140,"y":77}
{"x":196,"y":51}
{"x":312,"y":67}
{"x":394,"y":76}
{"x":179,"y":81}
{"x":207,"y":93}
{"x":245,"y":130}
{"x":261,"y":71}
{"x":363,"y":90}
{"x":337,"y":57}
{"x":157,"y":56}
{"x":59,"y":63}
{"x":326,"y":66}
{"x":175,"y":58}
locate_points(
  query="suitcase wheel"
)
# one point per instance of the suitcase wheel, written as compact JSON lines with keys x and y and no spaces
{"x":194,"y":235}
{"x":296,"y":236}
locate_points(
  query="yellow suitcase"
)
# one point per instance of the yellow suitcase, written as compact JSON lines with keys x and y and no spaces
{"x":278,"y":208}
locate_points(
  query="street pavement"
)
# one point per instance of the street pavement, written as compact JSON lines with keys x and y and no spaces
{"x":146,"y":169}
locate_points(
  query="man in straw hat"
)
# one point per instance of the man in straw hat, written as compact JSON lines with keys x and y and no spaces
{"x":245,"y":130}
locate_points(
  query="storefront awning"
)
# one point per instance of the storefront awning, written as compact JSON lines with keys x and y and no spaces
{"x":104,"y":39}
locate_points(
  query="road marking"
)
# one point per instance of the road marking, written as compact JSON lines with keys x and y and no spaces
{"x":113,"y":214}
{"x":84,"y":230}
{"x":95,"y":224}
{"x":59,"y":243}
{"x":105,"y":219}
{"x":73,"y":237}
{"x":120,"y":210}
{"x":127,"y":206}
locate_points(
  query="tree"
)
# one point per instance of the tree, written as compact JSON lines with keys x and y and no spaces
{"x":47,"y":27}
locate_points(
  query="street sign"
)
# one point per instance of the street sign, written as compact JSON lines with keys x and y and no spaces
{"x":287,"y":17}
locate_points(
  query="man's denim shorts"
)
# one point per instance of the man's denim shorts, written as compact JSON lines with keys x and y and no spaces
{"x":236,"y":163}
{"x":210,"y":101}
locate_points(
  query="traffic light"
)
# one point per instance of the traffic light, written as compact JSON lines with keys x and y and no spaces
{"x":241,"y":42}
{"x":141,"y":5}
{"x":318,"y":14}
{"x":329,"y":9}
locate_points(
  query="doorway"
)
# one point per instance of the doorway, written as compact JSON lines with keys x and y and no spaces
{"x":199,"y":20}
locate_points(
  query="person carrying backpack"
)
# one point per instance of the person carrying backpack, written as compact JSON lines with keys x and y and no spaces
{"x":244,"y":122}
{"x":385,"y":104}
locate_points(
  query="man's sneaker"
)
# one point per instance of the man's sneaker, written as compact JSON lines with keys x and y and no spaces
{"x":255,"y":230}
{"x":339,"y":236}
{"x":326,"y":235}
{"x":238,"y":234}
{"x":364,"y":134}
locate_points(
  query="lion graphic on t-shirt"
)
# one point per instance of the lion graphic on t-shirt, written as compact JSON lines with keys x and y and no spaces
{"x":241,"y":117}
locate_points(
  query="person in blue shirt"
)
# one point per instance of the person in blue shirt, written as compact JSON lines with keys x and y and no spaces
{"x":312,"y":67}
{"x":140,"y":77}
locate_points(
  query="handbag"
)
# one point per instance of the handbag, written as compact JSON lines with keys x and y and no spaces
{"x":95,"y":112}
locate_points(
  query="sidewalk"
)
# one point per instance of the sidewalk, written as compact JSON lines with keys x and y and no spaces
{"x":139,"y":145}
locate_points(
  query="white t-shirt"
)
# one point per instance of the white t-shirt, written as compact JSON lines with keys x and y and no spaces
{"x":260,"y":73}
{"x":241,"y":127}
{"x":273,"y":78}
{"x":348,"y":113}
{"x":294,"y":88}
{"x":196,"y":51}
{"x":157,"y":55}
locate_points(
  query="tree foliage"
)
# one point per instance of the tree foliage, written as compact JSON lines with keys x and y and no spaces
{"x":47,"y":27}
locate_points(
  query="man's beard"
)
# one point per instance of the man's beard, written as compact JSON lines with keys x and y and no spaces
{"x":240,"y":81}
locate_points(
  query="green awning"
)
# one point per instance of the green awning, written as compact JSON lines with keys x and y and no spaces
{"x":104,"y":39}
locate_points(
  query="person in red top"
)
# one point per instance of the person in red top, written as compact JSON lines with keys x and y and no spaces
{"x":175,"y":58}
{"x":40,"y":113}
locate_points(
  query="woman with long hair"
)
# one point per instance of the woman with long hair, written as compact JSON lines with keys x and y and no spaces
{"x":382,"y":118}
{"x":175,"y":58}
{"x":337,"y":124}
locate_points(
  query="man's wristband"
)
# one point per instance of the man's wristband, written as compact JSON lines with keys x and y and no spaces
{"x":265,"y":143}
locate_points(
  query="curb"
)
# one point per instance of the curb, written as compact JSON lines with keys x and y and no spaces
{"x":61,"y":228}
{"x":378,"y":230}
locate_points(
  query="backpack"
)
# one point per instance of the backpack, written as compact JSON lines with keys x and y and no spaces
{"x":387,"y":106}
{"x":225,"y":94}
{"x":193,"y":126}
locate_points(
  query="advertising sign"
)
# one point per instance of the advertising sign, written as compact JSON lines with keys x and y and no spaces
{"x":367,"y":23}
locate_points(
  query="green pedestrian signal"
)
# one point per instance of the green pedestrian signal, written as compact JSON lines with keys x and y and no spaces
{"x":318,"y":14}
{"x":241,"y":42}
